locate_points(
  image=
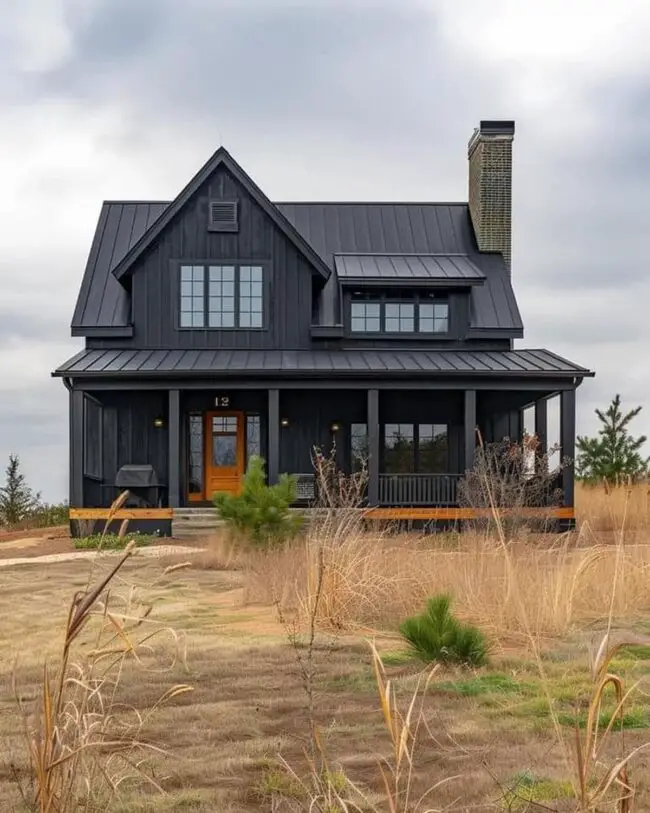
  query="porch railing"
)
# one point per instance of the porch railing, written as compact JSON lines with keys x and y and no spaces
{"x":418,"y":489}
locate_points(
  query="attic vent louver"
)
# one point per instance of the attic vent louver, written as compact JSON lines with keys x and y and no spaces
{"x":222,"y":215}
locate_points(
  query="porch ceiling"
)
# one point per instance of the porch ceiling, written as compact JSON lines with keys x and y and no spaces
{"x":319,"y":363}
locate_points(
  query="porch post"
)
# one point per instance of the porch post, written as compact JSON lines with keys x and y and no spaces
{"x":174,"y":451}
{"x":568,"y":442}
{"x":470,"y":429}
{"x":373,"y":446}
{"x":273,"y":462}
{"x":76,"y":449}
{"x":541,"y":425}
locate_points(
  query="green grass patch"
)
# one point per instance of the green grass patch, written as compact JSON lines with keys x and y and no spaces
{"x":400,"y":658}
{"x":635,"y":652}
{"x":493,"y":683}
{"x":526,"y":787}
{"x":633,"y":717}
{"x":112,"y":541}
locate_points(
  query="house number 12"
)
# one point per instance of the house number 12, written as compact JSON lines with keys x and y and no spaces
{"x":222,"y":401}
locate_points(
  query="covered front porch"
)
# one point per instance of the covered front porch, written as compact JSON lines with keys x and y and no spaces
{"x":187,"y":442}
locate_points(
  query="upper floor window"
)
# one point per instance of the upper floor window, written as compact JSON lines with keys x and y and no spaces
{"x":222,"y":296}
{"x":380,"y":315}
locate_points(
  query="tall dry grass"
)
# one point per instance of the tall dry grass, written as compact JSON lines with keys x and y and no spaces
{"x":375,"y":581}
{"x":604,"y":509}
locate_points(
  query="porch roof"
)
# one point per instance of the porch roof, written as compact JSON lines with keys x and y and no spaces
{"x":319,"y":363}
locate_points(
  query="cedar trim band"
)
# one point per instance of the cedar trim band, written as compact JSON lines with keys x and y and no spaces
{"x":122,"y":513}
{"x":464,"y":513}
{"x":370,"y":513}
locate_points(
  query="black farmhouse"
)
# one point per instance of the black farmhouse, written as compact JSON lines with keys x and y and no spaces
{"x":222,"y":325}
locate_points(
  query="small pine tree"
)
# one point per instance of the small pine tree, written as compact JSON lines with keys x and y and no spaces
{"x":261,"y":512}
{"x":613,"y":455}
{"x":437,"y":636}
{"x":17,"y":500}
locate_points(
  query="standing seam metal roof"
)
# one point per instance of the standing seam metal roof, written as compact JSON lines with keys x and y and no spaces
{"x":330,"y":228}
{"x":526,"y":363}
{"x":407,"y":267}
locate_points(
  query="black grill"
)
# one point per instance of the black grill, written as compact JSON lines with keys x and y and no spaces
{"x":141,"y":481}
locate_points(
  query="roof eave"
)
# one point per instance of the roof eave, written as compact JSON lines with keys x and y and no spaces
{"x":411,"y":282}
{"x":221,"y":156}
{"x":100,"y":332}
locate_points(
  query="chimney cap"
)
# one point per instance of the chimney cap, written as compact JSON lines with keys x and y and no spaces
{"x":490,"y":127}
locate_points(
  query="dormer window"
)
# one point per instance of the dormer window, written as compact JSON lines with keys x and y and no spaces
{"x":373,"y":313}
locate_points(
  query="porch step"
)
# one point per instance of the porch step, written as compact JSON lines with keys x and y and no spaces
{"x":195,"y":522}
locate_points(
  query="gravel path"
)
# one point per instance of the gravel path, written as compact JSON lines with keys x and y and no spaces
{"x":154,"y":550}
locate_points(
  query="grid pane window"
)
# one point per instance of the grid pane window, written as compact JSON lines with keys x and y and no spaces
{"x":250,"y":296}
{"x":399,"y":448}
{"x":221,"y":296}
{"x":433,"y":448}
{"x":434,"y":317}
{"x":192,"y":296}
{"x":399,"y":317}
{"x":366,"y":317}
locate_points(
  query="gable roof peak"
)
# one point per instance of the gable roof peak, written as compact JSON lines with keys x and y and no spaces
{"x":220,"y":157}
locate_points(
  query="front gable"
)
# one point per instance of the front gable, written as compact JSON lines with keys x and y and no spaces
{"x":210,"y":179}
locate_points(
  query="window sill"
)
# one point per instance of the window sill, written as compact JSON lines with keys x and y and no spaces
{"x":222,"y":329}
{"x":327,"y":331}
{"x":404,"y":336}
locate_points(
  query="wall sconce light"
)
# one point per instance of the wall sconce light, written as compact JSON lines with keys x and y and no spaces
{"x":335,"y":427}
{"x":159,"y":422}
{"x":284,"y":423}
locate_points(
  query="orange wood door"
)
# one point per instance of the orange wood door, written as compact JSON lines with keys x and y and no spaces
{"x":224,"y":452}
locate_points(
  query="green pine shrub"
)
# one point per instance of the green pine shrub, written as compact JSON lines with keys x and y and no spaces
{"x":436,"y":636}
{"x":261,"y":513}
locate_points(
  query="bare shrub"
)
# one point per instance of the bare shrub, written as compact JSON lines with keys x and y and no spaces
{"x":507,"y":479}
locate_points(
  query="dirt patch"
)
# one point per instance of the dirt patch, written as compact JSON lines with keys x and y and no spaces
{"x":54,"y":532}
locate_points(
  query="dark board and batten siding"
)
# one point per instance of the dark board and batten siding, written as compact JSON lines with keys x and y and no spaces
{"x":187,"y":239}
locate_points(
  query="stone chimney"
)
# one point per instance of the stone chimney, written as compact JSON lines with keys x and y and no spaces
{"x":490,"y":186}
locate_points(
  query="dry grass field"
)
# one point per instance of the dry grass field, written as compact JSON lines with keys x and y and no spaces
{"x":499,"y":738}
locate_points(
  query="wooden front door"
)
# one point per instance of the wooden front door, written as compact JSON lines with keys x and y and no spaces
{"x":224,"y":452}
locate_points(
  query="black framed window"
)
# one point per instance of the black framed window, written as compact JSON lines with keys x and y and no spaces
{"x":93,"y":438}
{"x":399,"y":312}
{"x":432,"y":448}
{"x":358,"y":446}
{"x":251,"y":296}
{"x":366,"y":317}
{"x":399,"y":448}
{"x":421,"y":448}
{"x":222,"y":297}
{"x":192,"y":296}
{"x":399,"y":317}
{"x":433,"y":317}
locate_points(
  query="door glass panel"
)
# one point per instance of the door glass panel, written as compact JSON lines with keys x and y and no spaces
{"x":224,"y":451}
{"x":224,"y":441}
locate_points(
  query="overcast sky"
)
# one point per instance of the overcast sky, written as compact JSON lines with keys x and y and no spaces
{"x":325,"y":100}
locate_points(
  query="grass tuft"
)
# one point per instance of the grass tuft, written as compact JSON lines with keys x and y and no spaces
{"x":113,"y":541}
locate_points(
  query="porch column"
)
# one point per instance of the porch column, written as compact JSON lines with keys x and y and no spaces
{"x":174,"y":451}
{"x":541,"y":425}
{"x":372,"y":418}
{"x":273,"y":462}
{"x":470,"y":429}
{"x":568,"y":442}
{"x":76,"y":448}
